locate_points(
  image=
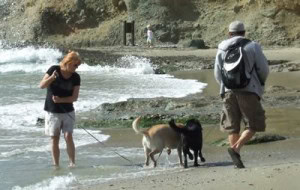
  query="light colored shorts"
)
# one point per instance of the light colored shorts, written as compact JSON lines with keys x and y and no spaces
{"x":149,"y":41}
{"x":242,"y":106}
{"x":57,"y":122}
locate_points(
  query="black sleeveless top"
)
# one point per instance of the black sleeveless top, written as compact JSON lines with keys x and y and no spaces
{"x":60,"y":87}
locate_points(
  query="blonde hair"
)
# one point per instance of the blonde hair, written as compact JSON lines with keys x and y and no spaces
{"x":71,"y":57}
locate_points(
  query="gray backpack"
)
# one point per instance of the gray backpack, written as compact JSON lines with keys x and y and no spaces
{"x":233,"y":70}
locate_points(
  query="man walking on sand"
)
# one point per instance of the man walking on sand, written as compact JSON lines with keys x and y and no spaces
{"x":241,"y":103}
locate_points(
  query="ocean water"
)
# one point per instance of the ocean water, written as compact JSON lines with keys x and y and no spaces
{"x":25,"y":157}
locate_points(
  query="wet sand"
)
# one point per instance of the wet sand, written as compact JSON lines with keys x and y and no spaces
{"x":274,"y":165}
{"x":283,"y":176}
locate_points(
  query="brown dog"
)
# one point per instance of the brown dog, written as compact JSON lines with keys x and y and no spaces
{"x":156,"y":138}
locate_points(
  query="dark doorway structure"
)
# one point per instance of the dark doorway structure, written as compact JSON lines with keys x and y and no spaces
{"x":128,"y":28}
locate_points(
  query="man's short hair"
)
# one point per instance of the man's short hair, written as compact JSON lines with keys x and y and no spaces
{"x":236,"y":26}
{"x":237,"y":33}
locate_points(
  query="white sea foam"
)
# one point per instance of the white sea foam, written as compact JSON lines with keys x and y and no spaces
{"x":133,"y":173}
{"x":41,"y":143}
{"x":29,"y":54}
{"x":32,"y":59}
{"x":141,"y":83}
{"x":135,"y":65}
{"x":2,"y":2}
{"x":21,"y":116}
{"x":127,"y":65}
{"x":28,"y":59}
{"x":55,"y":183}
{"x":22,"y":104}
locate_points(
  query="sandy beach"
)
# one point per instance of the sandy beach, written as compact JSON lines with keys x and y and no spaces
{"x":98,"y":30}
{"x":281,"y":176}
{"x":270,"y":166}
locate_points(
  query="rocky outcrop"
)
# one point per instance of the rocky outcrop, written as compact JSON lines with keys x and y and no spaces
{"x":86,"y":23}
{"x":293,"y":5}
{"x":257,"y":139}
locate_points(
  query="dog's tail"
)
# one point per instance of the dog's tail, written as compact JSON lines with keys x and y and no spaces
{"x":175,"y":127}
{"x":135,"y":126}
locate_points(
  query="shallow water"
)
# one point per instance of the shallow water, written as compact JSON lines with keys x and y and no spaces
{"x":283,"y":121}
{"x":25,"y":158}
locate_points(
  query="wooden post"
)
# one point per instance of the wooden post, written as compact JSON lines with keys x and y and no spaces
{"x":124,"y":33}
{"x":132,"y":33}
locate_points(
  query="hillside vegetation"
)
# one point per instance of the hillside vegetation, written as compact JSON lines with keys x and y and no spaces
{"x":88,"y":23}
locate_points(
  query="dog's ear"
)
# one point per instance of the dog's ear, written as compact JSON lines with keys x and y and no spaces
{"x":172,"y":122}
{"x":199,"y":124}
{"x":193,"y":122}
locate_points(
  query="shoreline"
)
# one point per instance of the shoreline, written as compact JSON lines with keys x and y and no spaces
{"x":283,"y":176}
{"x":273,"y":165}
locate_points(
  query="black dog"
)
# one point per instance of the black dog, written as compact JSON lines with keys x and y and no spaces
{"x":191,"y":136}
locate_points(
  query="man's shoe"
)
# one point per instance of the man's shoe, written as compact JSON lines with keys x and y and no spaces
{"x":236,"y":158}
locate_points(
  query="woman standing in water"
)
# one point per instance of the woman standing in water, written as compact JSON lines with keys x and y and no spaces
{"x":63,"y":84}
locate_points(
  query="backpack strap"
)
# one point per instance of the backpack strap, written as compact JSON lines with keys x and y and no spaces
{"x":244,"y":41}
{"x":241,"y":42}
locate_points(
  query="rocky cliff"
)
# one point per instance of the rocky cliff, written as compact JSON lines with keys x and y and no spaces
{"x":87,"y":23}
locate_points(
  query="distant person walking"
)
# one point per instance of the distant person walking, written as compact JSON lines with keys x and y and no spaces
{"x":62,"y":83}
{"x":241,"y":104}
{"x":149,"y":36}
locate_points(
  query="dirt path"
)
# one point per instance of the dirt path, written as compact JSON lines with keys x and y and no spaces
{"x":289,"y":54}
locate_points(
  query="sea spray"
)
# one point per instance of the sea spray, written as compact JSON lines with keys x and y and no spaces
{"x":24,"y":147}
{"x":29,"y":59}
